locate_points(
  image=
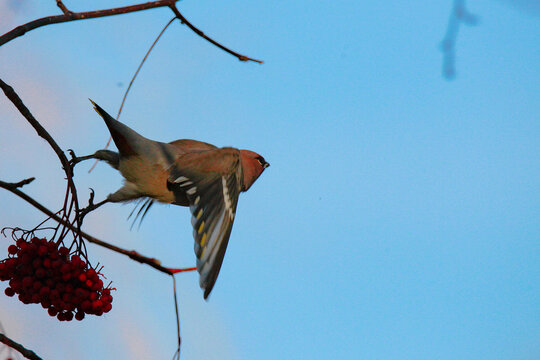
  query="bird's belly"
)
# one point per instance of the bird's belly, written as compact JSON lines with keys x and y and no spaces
{"x":150,"y":179}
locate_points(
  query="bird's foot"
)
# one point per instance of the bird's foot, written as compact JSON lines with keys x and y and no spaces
{"x":175,"y":271}
{"x":75,"y":159}
{"x":81,"y":213}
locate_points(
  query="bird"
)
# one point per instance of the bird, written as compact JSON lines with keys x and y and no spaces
{"x":184,"y":172}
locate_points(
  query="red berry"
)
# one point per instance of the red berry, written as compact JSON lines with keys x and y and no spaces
{"x":107,"y":307}
{"x":86,"y":306}
{"x":55,"y":294}
{"x":46,"y":263}
{"x":91,"y":273}
{"x":81,"y":293}
{"x":52,"y":311}
{"x":24,"y":246}
{"x":44,"y":291}
{"x":16,"y":284}
{"x":9,"y":292}
{"x":36,"y":286}
{"x":43,"y":250}
{"x":63,"y":251}
{"x":66,"y":268}
{"x":79,"y":315}
{"x":12,"y":249}
{"x":27,"y":281}
{"x":82,"y":278}
{"x":97,"y":286}
{"x":97,"y":305}
{"x":36,"y":263}
{"x":40,"y":273}
{"x":26,"y":259}
{"x":68,"y":316}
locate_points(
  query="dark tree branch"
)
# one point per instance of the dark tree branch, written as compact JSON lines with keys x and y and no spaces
{"x":16,"y":100}
{"x":20,"y":183}
{"x":29,"y":354}
{"x":459,"y":15}
{"x":62,"y":7}
{"x":71,"y":16}
{"x":201,"y":34}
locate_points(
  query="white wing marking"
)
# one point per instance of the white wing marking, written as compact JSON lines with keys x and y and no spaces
{"x":228,"y":202}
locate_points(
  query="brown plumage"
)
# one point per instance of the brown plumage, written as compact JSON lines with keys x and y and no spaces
{"x":186,"y":173}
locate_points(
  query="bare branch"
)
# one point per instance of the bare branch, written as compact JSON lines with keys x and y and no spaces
{"x":16,"y":100}
{"x":201,"y":34}
{"x":29,"y":354}
{"x":71,"y":16}
{"x":62,"y":7}
{"x":20,"y":183}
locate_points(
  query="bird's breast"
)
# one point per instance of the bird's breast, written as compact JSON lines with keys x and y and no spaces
{"x":149,"y":178}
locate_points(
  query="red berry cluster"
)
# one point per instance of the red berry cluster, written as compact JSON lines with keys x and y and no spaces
{"x":41,"y":272}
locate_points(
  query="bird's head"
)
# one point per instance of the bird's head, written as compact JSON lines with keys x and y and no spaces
{"x":253,"y":165}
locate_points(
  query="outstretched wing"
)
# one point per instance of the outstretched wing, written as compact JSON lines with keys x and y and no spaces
{"x":210,"y":181}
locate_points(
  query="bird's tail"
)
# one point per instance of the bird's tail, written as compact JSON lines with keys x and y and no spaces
{"x":124,"y":138}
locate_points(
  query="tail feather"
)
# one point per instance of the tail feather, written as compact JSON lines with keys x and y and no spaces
{"x":119,"y":132}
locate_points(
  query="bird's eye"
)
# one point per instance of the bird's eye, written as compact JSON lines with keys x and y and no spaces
{"x":263,"y":162}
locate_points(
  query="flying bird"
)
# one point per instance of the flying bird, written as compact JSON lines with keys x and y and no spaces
{"x":183,"y":172}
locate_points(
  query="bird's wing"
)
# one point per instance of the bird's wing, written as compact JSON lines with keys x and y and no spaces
{"x":188,"y":145}
{"x":210,"y":181}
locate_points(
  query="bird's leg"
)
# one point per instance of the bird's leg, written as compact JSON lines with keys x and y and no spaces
{"x":75,"y":160}
{"x":91,"y":206}
{"x":111,"y":157}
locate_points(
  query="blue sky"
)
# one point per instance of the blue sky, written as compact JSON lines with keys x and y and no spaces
{"x":398,"y":219}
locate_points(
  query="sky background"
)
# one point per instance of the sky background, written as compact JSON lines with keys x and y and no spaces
{"x":399,"y":218}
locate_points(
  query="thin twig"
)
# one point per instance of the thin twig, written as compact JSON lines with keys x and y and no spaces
{"x":183,"y":20}
{"x":73,"y":16}
{"x":131,"y":83}
{"x":29,"y":354}
{"x":62,"y":7}
{"x":140,"y":66}
{"x":22,"y":183}
{"x":177,"y":353}
{"x":132,"y":254}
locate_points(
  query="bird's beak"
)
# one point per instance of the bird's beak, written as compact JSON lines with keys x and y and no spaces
{"x":266,"y":165}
